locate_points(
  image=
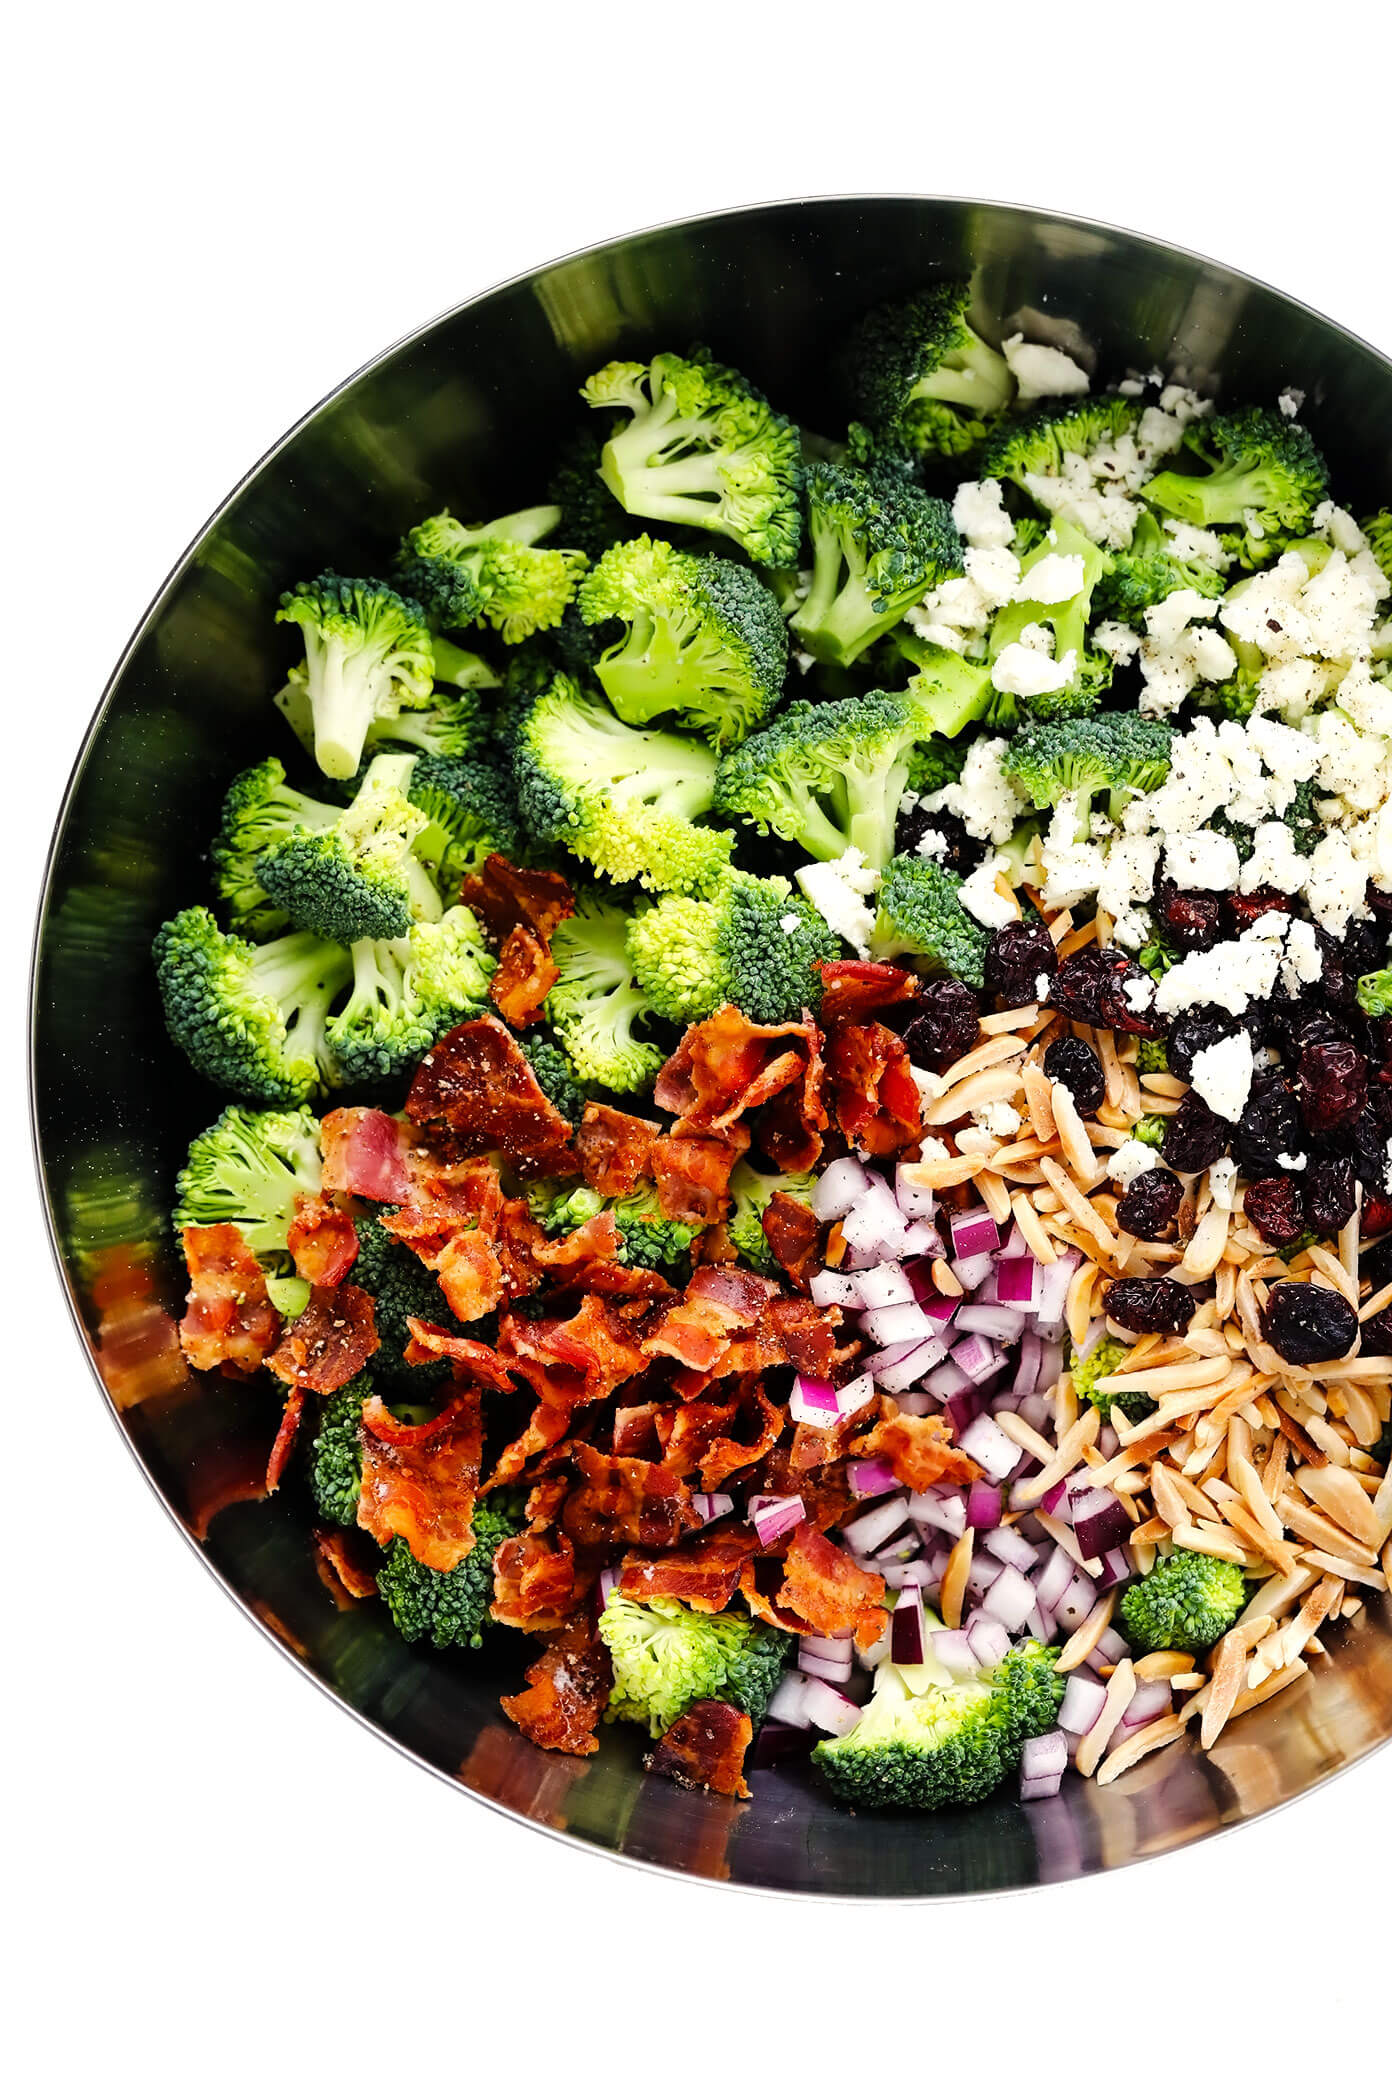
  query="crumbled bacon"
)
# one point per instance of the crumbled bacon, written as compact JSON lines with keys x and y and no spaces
{"x":875,"y":1099}
{"x":470,"y":1273}
{"x":340,"y":1568}
{"x":365,"y":1154}
{"x":570,"y":1362}
{"x":285,"y":1438}
{"x":330,"y":1341}
{"x":688,"y":1432}
{"x":477,"y":1082}
{"x":760,"y":1425}
{"x":471,"y":1359}
{"x":825,"y":1587}
{"x":419,"y":1481}
{"x":704,"y":1749}
{"x":613,"y":1148}
{"x":919,"y":1448}
{"x":853,"y":989}
{"x":727,"y":1065}
{"x":635,"y":1431}
{"x":322,"y":1242}
{"x":808,"y":1334}
{"x":626,"y":1500}
{"x":702,"y":1571}
{"x":738,"y":1295}
{"x":794,"y":1235}
{"x":231,"y":1324}
{"x":545,"y":1429}
{"x":533,"y":1581}
{"x":505,"y":897}
{"x":587,"y":1259}
{"x":692,"y":1173}
{"x":693,"y":1332}
{"x":567,"y":1690}
{"x":525,"y":975}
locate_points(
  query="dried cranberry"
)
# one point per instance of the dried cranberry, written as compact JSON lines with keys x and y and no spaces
{"x":1276,"y":1208}
{"x":1375,"y":1335}
{"x":1091,"y":986}
{"x":1375,"y":1262}
{"x":1190,"y":920}
{"x":1269,"y":1124}
{"x":1332,"y":1080}
{"x":963,"y":854}
{"x":1298,"y":1023}
{"x":1149,"y":1205}
{"x":1077,"y":1065}
{"x":943,"y":1026}
{"x":1242,"y":908}
{"x":1366,"y":1146}
{"x":1377,"y":1033}
{"x":1194,"y":1136}
{"x":1016,"y":956}
{"x":1194,"y":1032}
{"x":1380,"y":901}
{"x":1305,"y":1323}
{"x":1149,"y":1304}
{"x":1329,"y":1192}
{"x":1376,"y":1215}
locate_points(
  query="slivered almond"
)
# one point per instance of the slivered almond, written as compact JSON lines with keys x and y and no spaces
{"x":1136,"y":1745}
{"x":1206,"y":1244}
{"x":1035,"y":1237}
{"x":1232,"y":1651}
{"x":1207,"y":1538}
{"x":1065,"y":1458}
{"x":1073,"y":1200}
{"x":1346,"y":1569}
{"x":995,"y":1084}
{"x":995,"y":1195}
{"x":1065,"y":1540}
{"x":944,"y":1282}
{"x":948,"y":1172}
{"x":1083,"y":1643}
{"x":1317,"y":1528}
{"x":1073,"y":1139}
{"x":1027,"y":1438}
{"x":1009,"y":1019}
{"x":1038,"y":1101}
{"x":1329,"y":1265}
{"x":1161,"y":1667}
{"x":1338,"y":1493}
{"x":954,"y":1581}
{"x":991,"y":1053}
{"x":1121,"y":1687}
{"x":1166,"y":1377}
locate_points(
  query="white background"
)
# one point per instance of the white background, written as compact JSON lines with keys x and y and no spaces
{"x":215,"y":214}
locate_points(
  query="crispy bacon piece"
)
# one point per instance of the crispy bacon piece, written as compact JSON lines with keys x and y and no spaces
{"x":692,"y":1332}
{"x":505,"y":897}
{"x":569,"y":1362}
{"x":419,"y":1481}
{"x":824,"y":1488}
{"x":808,"y":1334}
{"x":635,"y":1429}
{"x":533,"y":1581}
{"x":545,"y":1429}
{"x":613,"y":1148}
{"x":366,"y":1154}
{"x":476,"y":1082}
{"x":919,"y":1448}
{"x":704,"y":1749}
{"x":322,"y":1242}
{"x":231,"y":1324}
{"x":727,"y":1065}
{"x":330,"y":1341}
{"x":760,"y":1423}
{"x":687,"y":1432}
{"x":794,"y":1235}
{"x":853,"y":989}
{"x":826,"y":1588}
{"x":703,"y":1572}
{"x":738,"y":1295}
{"x":444,"y":1200}
{"x":692,"y":1173}
{"x":587,"y":1259}
{"x":525,"y":975}
{"x":471,"y":1359}
{"x":470,"y":1273}
{"x":567,"y":1690}
{"x":874,"y":1098}
{"x":626,"y":1500}
{"x":285,"y":1438}
{"x":790,"y":1129}
{"x":338,"y":1568}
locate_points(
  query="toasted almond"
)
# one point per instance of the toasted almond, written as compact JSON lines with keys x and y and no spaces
{"x":1346,"y":1569}
{"x":1338,"y":1493}
{"x":1208,"y":1538}
{"x":995,"y":1195}
{"x":1020,"y":1432}
{"x":1248,"y":1699}
{"x":1038,"y":1101}
{"x":1317,"y":1528}
{"x":1166,"y":1377}
{"x":1121,"y":1687}
{"x":1065,"y":1540}
{"x":1161,"y":1667}
{"x":1009,"y":1019}
{"x":1073,"y":1200}
{"x":1064,"y":1460}
{"x":953,"y":1591}
{"x":944,"y":1282}
{"x":1142,"y":1742}
{"x":995,"y":1049}
{"x":1209,"y":1238}
{"x":1073,"y":1139}
{"x":1229,"y":1661}
{"x":1035,"y":1237}
{"x":1083,"y":1643}
{"x":1330,"y":1265}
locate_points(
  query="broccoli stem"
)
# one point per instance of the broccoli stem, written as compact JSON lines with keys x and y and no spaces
{"x":343,"y":703}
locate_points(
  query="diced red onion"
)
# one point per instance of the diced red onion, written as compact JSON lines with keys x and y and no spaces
{"x":988,"y":1639}
{"x":813,"y":1401}
{"x":1013,"y":1244}
{"x":953,"y":1649}
{"x":996,"y":1320}
{"x":1116,"y":1568}
{"x":870,"y":1476}
{"x":1007,"y":1545}
{"x":788,"y":1704}
{"x":1052,"y":1579}
{"x":871,"y":1656}
{"x":711,"y":1506}
{"x":900,"y":1549}
{"x":1076,"y":1601}
{"x":837,"y":1671}
{"x":1082,"y":1702}
{"x":867,"y":1532}
{"x":1036,"y":1410}
{"x":884,"y":1285}
{"x":873,"y":1226}
{"x":938,"y":1308}
{"x":773,"y":1515}
{"x":962,"y":1407}
{"x":909,"y":1362}
{"x":835,"y":1287}
{"x":982,"y":1572}
{"x":1099,"y":1519}
{"x":1112,"y":1647}
{"x":986,"y":1442}
{"x":1151,"y":1700}
{"x":921,"y":1238}
{"x":1051,"y":1297}
{"x":1027,"y":1368}
{"x":1040,"y":1625}
{"x":983,"y":1505}
{"x":889,"y":1323}
{"x":974,"y":1232}
{"x":1009,"y":1599}
{"x":838,"y":1187}
{"x":971,"y":1269}
{"x":1055,"y":1501}
{"x":940,"y":1511}
{"x":912,"y":1194}
{"x":907,"y":1632}
{"x":1108,"y":1441}
{"x":978,"y":1359}
{"x":1043,"y":1760}
{"x":829,"y":1644}
{"x":1017,"y":1281}
{"x":774,"y":1740}
{"x":916,"y":1403}
{"x":850,"y":1398}
{"x":828,"y":1708}
{"x":608,"y":1582}
{"x":908,"y":1573}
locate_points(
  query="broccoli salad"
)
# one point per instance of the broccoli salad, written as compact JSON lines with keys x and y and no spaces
{"x":803,"y":1036}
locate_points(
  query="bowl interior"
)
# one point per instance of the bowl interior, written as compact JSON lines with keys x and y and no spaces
{"x":468,"y":413}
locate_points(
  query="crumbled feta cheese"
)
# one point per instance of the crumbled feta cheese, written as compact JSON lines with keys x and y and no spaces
{"x":1057,"y":577}
{"x":1274,"y":860}
{"x":1129,"y":875}
{"x":1335,"y":885}
{"x":1202,"y":862}
{"x":1001,"y":1119}
{"x":1041,"y":372}
{"x":995,"y":574}
{"x":978,"y":509}
{"x":1231,"y":975}
{"x":1174,"y":657}
{"x":1072,"y":868}
{"x":1222,"y":1181}
{"x":983,"y":797}
{"x":1290,"y":401}
{"x":1018,"y":670}
{"x":1131,"y":1159}
{"x":1338,"y":527}
{"x":1138,"y":993}
{"x":1039,"y":638}
{"x":981,"y":899}
{"x":1118,"y":641}
{"x":932,"y":844}
{"x":1099,"y":508}
{"x":1303,"y":962}
{"x":1041,"y":986}
{"x":1195,"y":546}
{"x":1167,"y":620}
{"x":962,"y":608}
{"x":804,"y":662}
{"x":1221,"y":1075}
{"x":789,"y":923}
{"x":1294,"y":1163}
{"x":930,"y":1148}
{"x":838,"y":890}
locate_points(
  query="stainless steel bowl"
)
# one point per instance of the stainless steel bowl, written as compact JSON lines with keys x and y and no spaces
{"x":468,"y":411}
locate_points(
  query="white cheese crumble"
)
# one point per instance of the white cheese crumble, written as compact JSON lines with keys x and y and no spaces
{"x":981,"y":899}
{"x":1131,"y":1159}
{"x":1202,"y":862}
{"x":789,"y":923}
{"x":1041,"y":372}
{"x":1231,"y":975}
{"x":1001,"y":1119}
{"x":1222,"y":1075}
{"x":1057,"y":577}
{"x":1021,"y":670}
{"x":1294,"y":1163}
{"x":839,"y":890}
{"x":978,"y":509}
{"x":1222,"y":1181}
{"x":983,"y":797}
{"x":1290,"y":401}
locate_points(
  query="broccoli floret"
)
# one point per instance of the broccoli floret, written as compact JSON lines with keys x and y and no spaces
{"x":406,"y":993}
{"x":879,"y":543}
{"x":648,"y":1239}
{"x":751,"y":1194}
{"x":1183,"y":1605}
{"x":1151,"y":1056}
{"x":925,"y":1740}
{"x":1106,"y":1356}
{"x":952,"y":693}
{"x":667,"y":1657}
{"x":472,"y":808}
{"x":561,"y":1207}
{"x":454,"y":719}
{"x":359,"y":876}
{"x":335,"y":1454}
{"x":1150,"y":1131}
{"x":497,"y":573}
{"x":596,"y":1005}
{"x":701,"y":446}
{"x":591,"y":518}
{"x":1119,"y":753}
{"x":450,"y":1609}
{"x":368,"y":656}
{"x":1068,"y":621}
{"x":250,"y":1017}
{"x":554,"y":1074}
{"x":1037,"y":443}
{"x":622,"y":798}
{"x":921,"y":916}
{"x":752,"y":942}
{"x":1146,"y":572}
{"x":1263,"y":472}
{"x":259,"y":809}
{"x":248,"y":1170}
{"x":828,"y":776}
{"x":1378,"y":530}
{"x":921,"y":374}
{"x":402,"y":1289}
{"x":1375,"y":993}
{"x":704,"y":638}
{"x":935,"y":764}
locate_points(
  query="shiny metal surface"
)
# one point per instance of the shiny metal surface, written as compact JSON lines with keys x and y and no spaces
{"x":467,"y":412}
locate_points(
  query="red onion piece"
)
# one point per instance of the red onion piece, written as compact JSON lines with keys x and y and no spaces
{"x":830,"y":1643}
{"x":1151,"y":1700}
{"x":990,"y":1447}
{"x":1017,"y":1281}
{"x":989,"y":1640}
{"x":971,"y":1269}
{"x":1053,"y":1578}
{"x":775,"y":1740}
{"x":813,"y":1400}
{"x":711,"y":1506}
{"x":1082,"y":1703}
{"x":904,"y":1322}
{"x":1099,"y":1519}
{"x":1051,"y":1298}
{"x":981,"y":1574}
{"x":1009,"y":1599}
{"x":916,"y":1403}
{"x":962,"y":1405}
{"x":908,"y":1573}
{"x":974,"y":1232}
{"x":867,"y":1532}
{"x":1042,"y":1763}
{"x":870,"y":1476}
{"x":912,"y":1194}
{"x":838,"y":1187}
{"x":1076,"y":1601}
{"x":835,"y":1287}
{"x":940,"y":1511}
{"x":773,"y":1515}
{"x":1116,"y":1568}
{"x":885,"y":1284}
{"x":936,"y":1306}
{"x":921,"y":1238}
{"x":978,"y":1359}
{"x":910,"y":1362}
{"x":1112,"y":1647}
{"x":983,"y":1505}
{"x":953,"y":1649}
{"x":828,"y":1708}
{"x":1027,"y":1369}
{"x":907,"y":1632}
{"x":996,"y":1320}
{"x":608,"y":1582}
{"x":837,"y":1671}
{"x":1007,"y":1545}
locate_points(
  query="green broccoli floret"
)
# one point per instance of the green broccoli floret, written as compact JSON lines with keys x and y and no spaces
{"x":1378,"y":530}
{"x":1119,"y":753}
{"x":925,"y":1740}
{"x":701,"y":446}
{"x":752,"y":1193}
{"x":667,"y":1657}
{"x":250,"y":1017}
{"x":1106,"y":1356}
{"x":1146,"y":572}
{"x":1150,"y":1131}
{"x":450,"y":1609}
{"x":591,"y":518}
{"x":752,"y":942}
{"x":406,"y":993}
{"x":1156,"y":956}
{"x":259,"y":809}
{"x":921,"y":916}
{"x":596,"y":1005}
{"x":921,"y":374}
{"x":555,"y":1075}
{"x":402,"y":1289}
{"x":491,"y":572}
{"x":879,"y":544}
{"x":249,"y":1169}
{"x":935,"y":764}
{"x":453,"y":720}
{"x":335,"y":1454}
{"x":1263,"y":473}
{"x":472,"y":808}
{"x":828,"y":776}
{"x":704,"y":639}
{"x":368,"y":656}
{"x":1036,"y":445}
{"x":952,"y":693}
{"x":1183,"y":1605}
{"x":1151,"y":1056}
{"x":648,"y":1239}
{"x":1067,"y":620}
{"x":622,"y":798}
{"x":561,"y":1207}
{"x":1375,"y":993}
{"x":359,"y":876}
